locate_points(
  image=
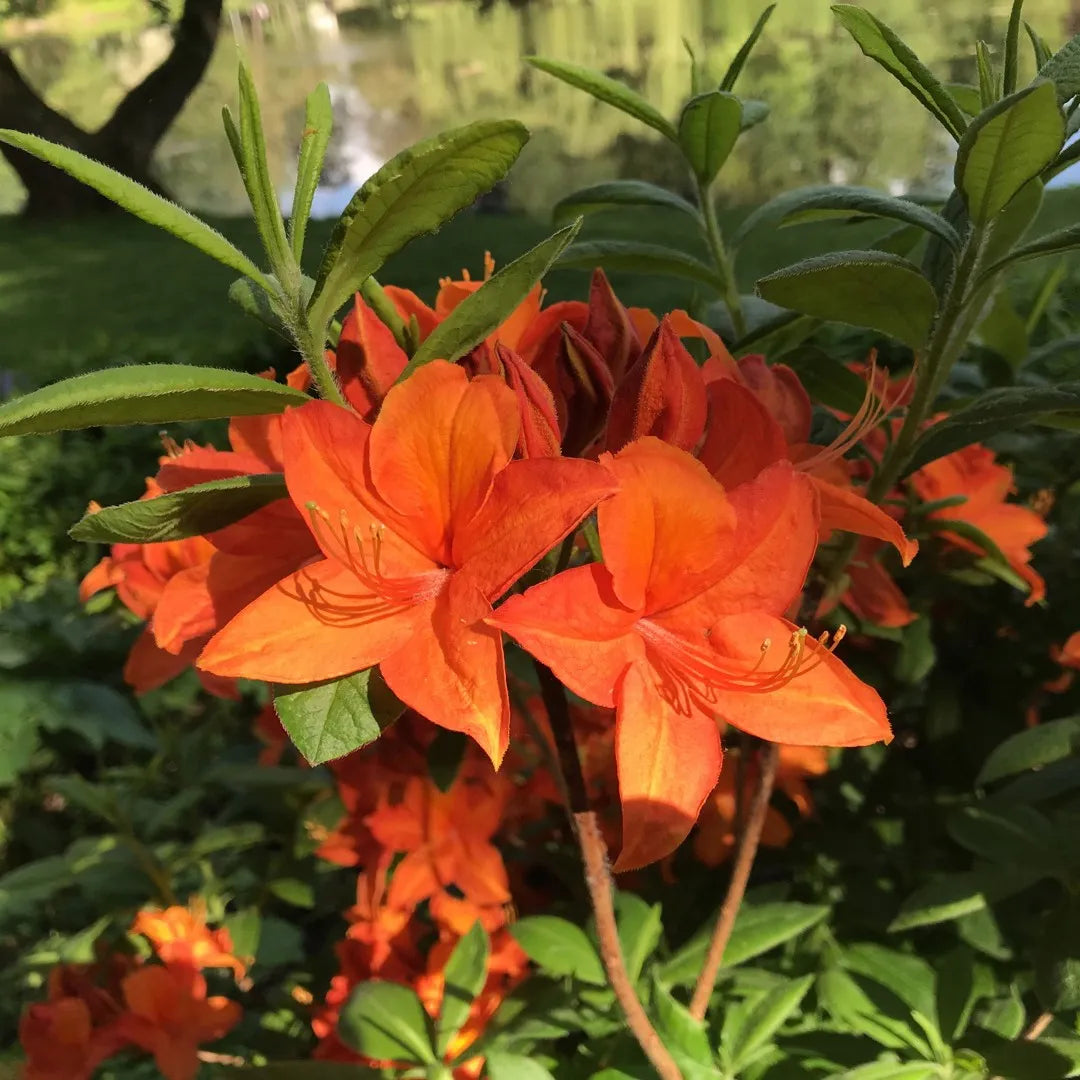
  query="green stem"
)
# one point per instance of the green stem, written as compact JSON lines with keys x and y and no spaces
{"x":310,"y":344}
{"x":729,"y":290}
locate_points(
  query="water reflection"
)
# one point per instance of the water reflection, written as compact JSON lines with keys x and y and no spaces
{"x":398,"y":71}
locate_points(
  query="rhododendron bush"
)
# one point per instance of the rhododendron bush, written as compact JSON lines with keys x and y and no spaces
{"x":576,"y":689}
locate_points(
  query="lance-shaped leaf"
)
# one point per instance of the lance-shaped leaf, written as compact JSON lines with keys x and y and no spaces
{"x":608,"y":90}
{"x":196,"y":510}
{"x":709,"y":125}
{"x":1053,"y":243}
{"x":484,"y":310}
{"x":139,"y":201}
{"x":640,"y":258}
{"x":967,"y":97}
{"x":464,"y":977}
{"x":761,"y":1023}
{"x":996,"y":410}
{"x":330,"y":719}
{"x":144,"y":394}
{"x":559,"y":947}
{"x":413,"y":193}
{"x":854,"y":201}
{"x":1063,"y":69}
{"x":256,"y":173}
{"x":1005,"y":147}
{"x":862,"y":288}
{"x":614,"y":194}
{"x":735,"y":67}
{"x":385,"y":1021}
{"x":881,"y":43}
{"x":318,"y":123}
{"x":1012,"y":48}
{"x":1039,"y":47}
{"x":988,"y":84}
{"x":1034,"y":748}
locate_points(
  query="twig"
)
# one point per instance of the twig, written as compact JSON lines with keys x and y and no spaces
{"x":598,"y":876}
{"x":740,"y":875}
{"x":1037,"y":1026}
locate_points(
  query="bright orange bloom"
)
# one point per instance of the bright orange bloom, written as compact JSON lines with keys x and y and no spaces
{"x":760,"y":415}
{"x":170,"y":1016}
{"x":975,"y":473}
{"x":681,"y":626}
{"x":1068,"y":655}
{"x":180,"y":935}
{"x":61,"y":1041}
{"x":423,"y":521}
{"x":872,"y":595}
{"x":714,"y":841}
{"x":446,"y":838}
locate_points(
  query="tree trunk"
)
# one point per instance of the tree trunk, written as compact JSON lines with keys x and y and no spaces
{"x":127,"y":140}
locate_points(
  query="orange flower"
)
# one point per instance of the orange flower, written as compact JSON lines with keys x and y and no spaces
{"x":445,"y":838}
{"x":170,"y":1016}
{"x":423,"y":521}
{"x":61,"y":1041}
{"x":714,"y":841}
{"x":975,"y":473}
{"x":872,"y":594}
{"x":681,"y":625}
{"x":1068,"y":655}
{"x":180,"y":935}
{"x":757,"y":416}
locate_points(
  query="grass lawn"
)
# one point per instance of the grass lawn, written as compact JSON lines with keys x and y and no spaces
{"x":79,"y":295}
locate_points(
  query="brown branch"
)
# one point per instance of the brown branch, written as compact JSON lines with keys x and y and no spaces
{"x":598,"y":877}
{"x":740,"y":876}
{"x":1037,"y":1026}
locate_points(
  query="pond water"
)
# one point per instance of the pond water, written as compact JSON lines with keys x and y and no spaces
{"x":398,"y":71}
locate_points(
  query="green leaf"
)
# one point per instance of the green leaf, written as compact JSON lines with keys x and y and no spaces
{"x":464,"y":974}
{"x":639,"y":257}
{"x":1053,"y":243}
{"x":608,"y":90}
{"x":613,"y":194}
{"x":1005,"y":147}
{"x":559,"y":948}
{"x":758,"y":928}
{"x":139,"y":201}
{"x":413,"y":193}
{"x":862,"y":288}
{"x":961,"y":982}
{"x":330,"y":719}
{"x":640,"y":927}
{"x":954,"y":895}
{"x":967,"y":97}
{"x":1012,"y":48}
{"x":916,"y":657}
{"x":504,"y":1066}
{"x":988,"y":88}
{"x":484,"y":310}
{"x":256,"y":173}
{"x":1019,"y":1059}
{"x":855,"y":200}
{"x":1063,"y":69}
{"x":981,"y":931}
{"x":910,"y":978}
{"x":765,"y":1019}
{"x":194,"y":511}
{"x":1013,"y":835}
{"x":1057,"y":959}
{"x":678,"y":1030}
{"x":293,"y":891}
{"x":894,"y":1070}
{"x":881,"y":44}
{"x":995,"y":411}
{"x":144,"y":394}
{"x":318,"y":124}
{"x":709,"y":126}
{"x":1038,"y":47}
{"x":753,"y":112}
{"x":386,"y":1021}
{"x":883,"y":1019}
{"x":736,"y":65}
{"x":1031,"y":749}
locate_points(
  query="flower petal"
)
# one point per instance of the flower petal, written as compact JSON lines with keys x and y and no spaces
{"x":668,"y":764}
{"x":436,"y":446}
{"x":843,"y":508}
{"x":318,"y":623}
{"x":576,"y":625}
{"x":532,"y":505}
{"x":824,"y":705}
{"x":452,"y":671}
{"x":368,"y":360}
{"x":662,"y":531}
{"x":741,"y":438}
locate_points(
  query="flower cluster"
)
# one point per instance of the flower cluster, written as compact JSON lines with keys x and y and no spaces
{"x":95,"y":1011}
